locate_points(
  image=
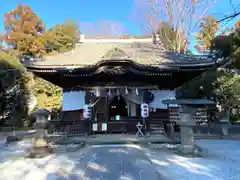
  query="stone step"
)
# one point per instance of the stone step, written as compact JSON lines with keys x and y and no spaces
{"x":156,"y":132}
{"x":156,"y":125}
{"x":156,"y":128}
{"x":156,"y":122}
{"x":160,"y":129}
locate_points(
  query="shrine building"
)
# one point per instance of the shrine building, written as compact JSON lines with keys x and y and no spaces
{"x":115,"y":75}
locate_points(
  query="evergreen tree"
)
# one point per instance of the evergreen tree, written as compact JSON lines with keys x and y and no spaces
{"x":48,"y":95}
{"x":13,"y":89}
{"x":228,"y":46}
{"x":62,"y":37}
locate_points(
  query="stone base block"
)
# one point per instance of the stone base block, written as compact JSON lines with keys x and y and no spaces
{"x":224,"y":130}
{"x":41,"y":142}
{"x":39,"y":152}
{"x":187,"y":149}
{"x":10,"y":139}
{"x":39,"y":149}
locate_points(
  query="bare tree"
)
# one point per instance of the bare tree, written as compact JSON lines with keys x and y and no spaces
{"x":182,"y":15}
{"x":233,"y":14}
{"x":103,"y":28}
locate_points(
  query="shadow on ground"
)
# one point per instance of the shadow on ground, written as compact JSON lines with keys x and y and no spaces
{"x":96,"y":162}
{"x":113,"y":162}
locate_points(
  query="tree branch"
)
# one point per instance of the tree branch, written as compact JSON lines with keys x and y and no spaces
{"x":181,"y":15}
{"x":230,"y":17}
{"x":233,"y":15}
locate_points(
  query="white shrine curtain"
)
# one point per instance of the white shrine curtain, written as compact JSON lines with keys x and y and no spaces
{"x":132,"y":97}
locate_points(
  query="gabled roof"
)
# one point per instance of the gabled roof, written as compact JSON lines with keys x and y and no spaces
{"x":141,"y":51}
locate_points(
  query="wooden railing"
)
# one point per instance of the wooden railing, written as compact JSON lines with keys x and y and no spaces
{"x":78,"y":127}
{"x":69,"y":128}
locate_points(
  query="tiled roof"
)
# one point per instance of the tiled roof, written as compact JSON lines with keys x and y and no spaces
{"x":143,"y":53}
{"x":118,"y":37}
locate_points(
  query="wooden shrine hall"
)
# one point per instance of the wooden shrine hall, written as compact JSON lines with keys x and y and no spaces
{"x":115,"y":75}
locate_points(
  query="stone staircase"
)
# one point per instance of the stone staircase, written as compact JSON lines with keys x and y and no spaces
{"x":156,"y":121}
{"x":156,"y":127}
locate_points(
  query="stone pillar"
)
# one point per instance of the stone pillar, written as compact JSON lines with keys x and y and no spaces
{"x":170,"y":130}
{"x":225,"y":129}
{"x":225,"y":123}
{"x":40,"y":147}
{"x":10,"y":135}
{"x":186,"y":123}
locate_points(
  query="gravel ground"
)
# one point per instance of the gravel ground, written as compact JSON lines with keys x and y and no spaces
{"x":125,"y":162}
{"x":92,"y":163}
{"x":228,"y":150}
{"x":175,"y":167}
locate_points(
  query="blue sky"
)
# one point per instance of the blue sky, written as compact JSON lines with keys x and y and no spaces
{"x":93,"y":11}
{"x":86,"y":11}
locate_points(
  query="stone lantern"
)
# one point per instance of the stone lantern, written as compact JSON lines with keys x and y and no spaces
{"x":186,"y":122}
{"x":40,"y":147}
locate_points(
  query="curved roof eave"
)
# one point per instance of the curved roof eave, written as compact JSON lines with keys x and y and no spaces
{"x":120,"y":60}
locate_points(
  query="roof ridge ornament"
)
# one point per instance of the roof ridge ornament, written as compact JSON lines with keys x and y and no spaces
{"x":112,"y":70}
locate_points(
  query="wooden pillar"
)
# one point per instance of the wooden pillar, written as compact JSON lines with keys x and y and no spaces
{"x":106,"y":108}
{"x":133,"y":109}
